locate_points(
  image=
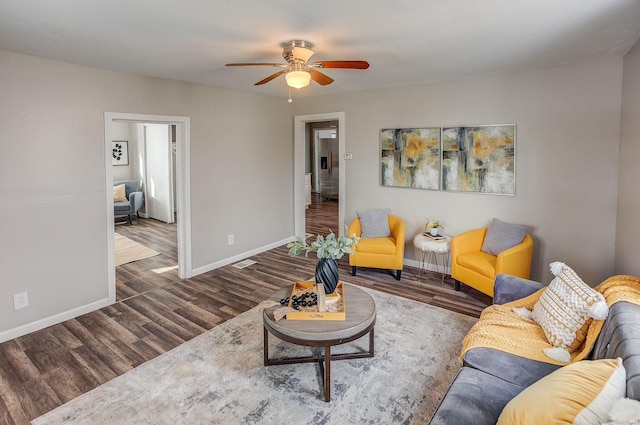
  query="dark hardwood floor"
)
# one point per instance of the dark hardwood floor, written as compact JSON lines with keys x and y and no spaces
{"x":156,"y":311}
{"x":322,"y":216}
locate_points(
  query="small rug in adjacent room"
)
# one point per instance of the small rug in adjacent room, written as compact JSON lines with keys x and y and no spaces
{"x":128,"y":251}
{"x":219,"y":376}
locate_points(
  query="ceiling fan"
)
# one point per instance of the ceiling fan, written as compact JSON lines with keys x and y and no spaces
{"x":297,"y":71}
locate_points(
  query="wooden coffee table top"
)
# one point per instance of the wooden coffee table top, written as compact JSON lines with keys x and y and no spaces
{"x":360,"y":312}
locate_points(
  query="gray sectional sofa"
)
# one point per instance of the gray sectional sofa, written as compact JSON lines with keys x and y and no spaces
{"x":489,"y":378}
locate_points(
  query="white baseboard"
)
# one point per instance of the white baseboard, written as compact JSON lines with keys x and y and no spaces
{"x":429,"y":267}
{"x":52,"y":320}
{"x":238,"y":257}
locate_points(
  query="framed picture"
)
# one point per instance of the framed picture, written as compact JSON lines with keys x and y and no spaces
{"x":479,"y":159}
{"x":410,"y":157}
{"x":120,"y":153}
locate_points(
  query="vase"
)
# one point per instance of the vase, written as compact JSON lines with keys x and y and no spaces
{"x":327,"y":274}
{"x":434,"y":231}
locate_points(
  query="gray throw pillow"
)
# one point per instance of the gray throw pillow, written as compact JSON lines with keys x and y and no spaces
{"x":501,"y":236}
{"x":374,"y":224}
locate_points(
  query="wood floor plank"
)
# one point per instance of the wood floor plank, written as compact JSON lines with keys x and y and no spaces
{"x":16,"y":407}
{"x":93,"y":364}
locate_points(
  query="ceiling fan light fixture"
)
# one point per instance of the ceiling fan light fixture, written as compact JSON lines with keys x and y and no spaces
{"x":298,"y":79}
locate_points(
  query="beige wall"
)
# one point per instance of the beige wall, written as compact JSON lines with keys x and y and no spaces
{"x":628,"y":226}
{"x":52,"y":178}
{"x":567,"y":152}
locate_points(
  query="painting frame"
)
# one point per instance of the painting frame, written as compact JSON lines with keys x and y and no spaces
{"x":411,"y":157}
{"x":479,"y":159}
{"x":120,"y":152}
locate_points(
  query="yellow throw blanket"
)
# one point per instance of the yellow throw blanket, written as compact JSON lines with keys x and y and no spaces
{"x":500,"y":328}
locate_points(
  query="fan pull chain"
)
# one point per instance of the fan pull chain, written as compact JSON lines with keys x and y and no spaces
{"x":289,"y":100}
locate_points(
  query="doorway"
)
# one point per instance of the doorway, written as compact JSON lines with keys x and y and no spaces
{"x":182,"y":184}
{"x":301,"y":147}
{"x":323,"y":170}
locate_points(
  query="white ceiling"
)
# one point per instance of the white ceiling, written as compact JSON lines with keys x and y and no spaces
{"x":405,"y":41}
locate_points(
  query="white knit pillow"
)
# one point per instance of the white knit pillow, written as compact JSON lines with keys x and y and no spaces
{"x":564,"y":307}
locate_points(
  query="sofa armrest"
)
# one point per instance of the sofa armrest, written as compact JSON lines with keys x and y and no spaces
{"x":509,"y":288}
{"x":355,"y":229}
{"x":470,"y":241}
{"x":516,"y":260}
{"x":398,"y":230}
{"x":136,"y":200}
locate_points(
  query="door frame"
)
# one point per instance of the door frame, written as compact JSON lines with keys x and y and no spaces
{"x":183,"y":186}
{"x":299,"y":131}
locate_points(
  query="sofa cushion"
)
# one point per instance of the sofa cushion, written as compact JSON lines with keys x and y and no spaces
{"x":474,"y":398}
{"x":122,"y":208}
{"x":374,"y":224}
{"x":564,"y":308}
{"x":580,"y":393}
{"x":501,"y":236}
{"x":479,"y":262}
{"x":509,"y":367}
{"x":386,"y":246}
{"x":119,"y":194}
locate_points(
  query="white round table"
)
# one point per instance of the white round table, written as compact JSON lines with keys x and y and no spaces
{"x":433,"y":248}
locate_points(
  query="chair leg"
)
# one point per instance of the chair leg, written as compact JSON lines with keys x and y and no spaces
{"x":129,"y":218}
{"x":457,"y":285}
{"x":398,"y":272}
{"x":353,"y":270}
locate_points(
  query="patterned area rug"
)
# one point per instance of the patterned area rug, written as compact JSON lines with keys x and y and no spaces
{"x":219,"y":376}
{"x":128,"y":251}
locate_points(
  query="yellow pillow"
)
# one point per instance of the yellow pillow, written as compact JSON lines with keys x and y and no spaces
{"x":580,"y":393}
{"x":119,"y":194}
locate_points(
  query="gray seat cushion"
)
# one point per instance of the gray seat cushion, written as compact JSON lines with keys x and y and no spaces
{"x":475,"y":398}
{"x":514,"y":369}
{"x":121,"y":207}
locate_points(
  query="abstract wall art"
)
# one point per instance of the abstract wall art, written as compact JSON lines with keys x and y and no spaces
{"x":479,"y":159}
{"x":410,"y":157}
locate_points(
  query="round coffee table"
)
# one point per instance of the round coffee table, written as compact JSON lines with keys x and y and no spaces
{"x":360,"y":320}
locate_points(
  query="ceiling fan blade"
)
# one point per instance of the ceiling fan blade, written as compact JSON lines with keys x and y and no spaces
{"x":342,"y":64}
{"x":320,"y":78}
{"x":277,"y":65}
{"x":269,"y":78}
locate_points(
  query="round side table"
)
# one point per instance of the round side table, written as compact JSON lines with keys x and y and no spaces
{"x":432,"y":248}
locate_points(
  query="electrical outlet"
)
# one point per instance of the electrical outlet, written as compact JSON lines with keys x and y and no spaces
{"x":231,"y":240}
{"x":348,"y":155}
{"x":20,"y":300}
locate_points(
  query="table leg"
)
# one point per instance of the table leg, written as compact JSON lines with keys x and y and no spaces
{"x":266,"y":347}
{"x":444,"y":266}
{"x":432,"y":258}
{"x":371,"y":343}
{"x":327,"y":373}
{"x":422,"y":264}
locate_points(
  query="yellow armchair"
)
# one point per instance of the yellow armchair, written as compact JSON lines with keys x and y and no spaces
{"x":380,"y":253}
{"x":478,"y":269}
